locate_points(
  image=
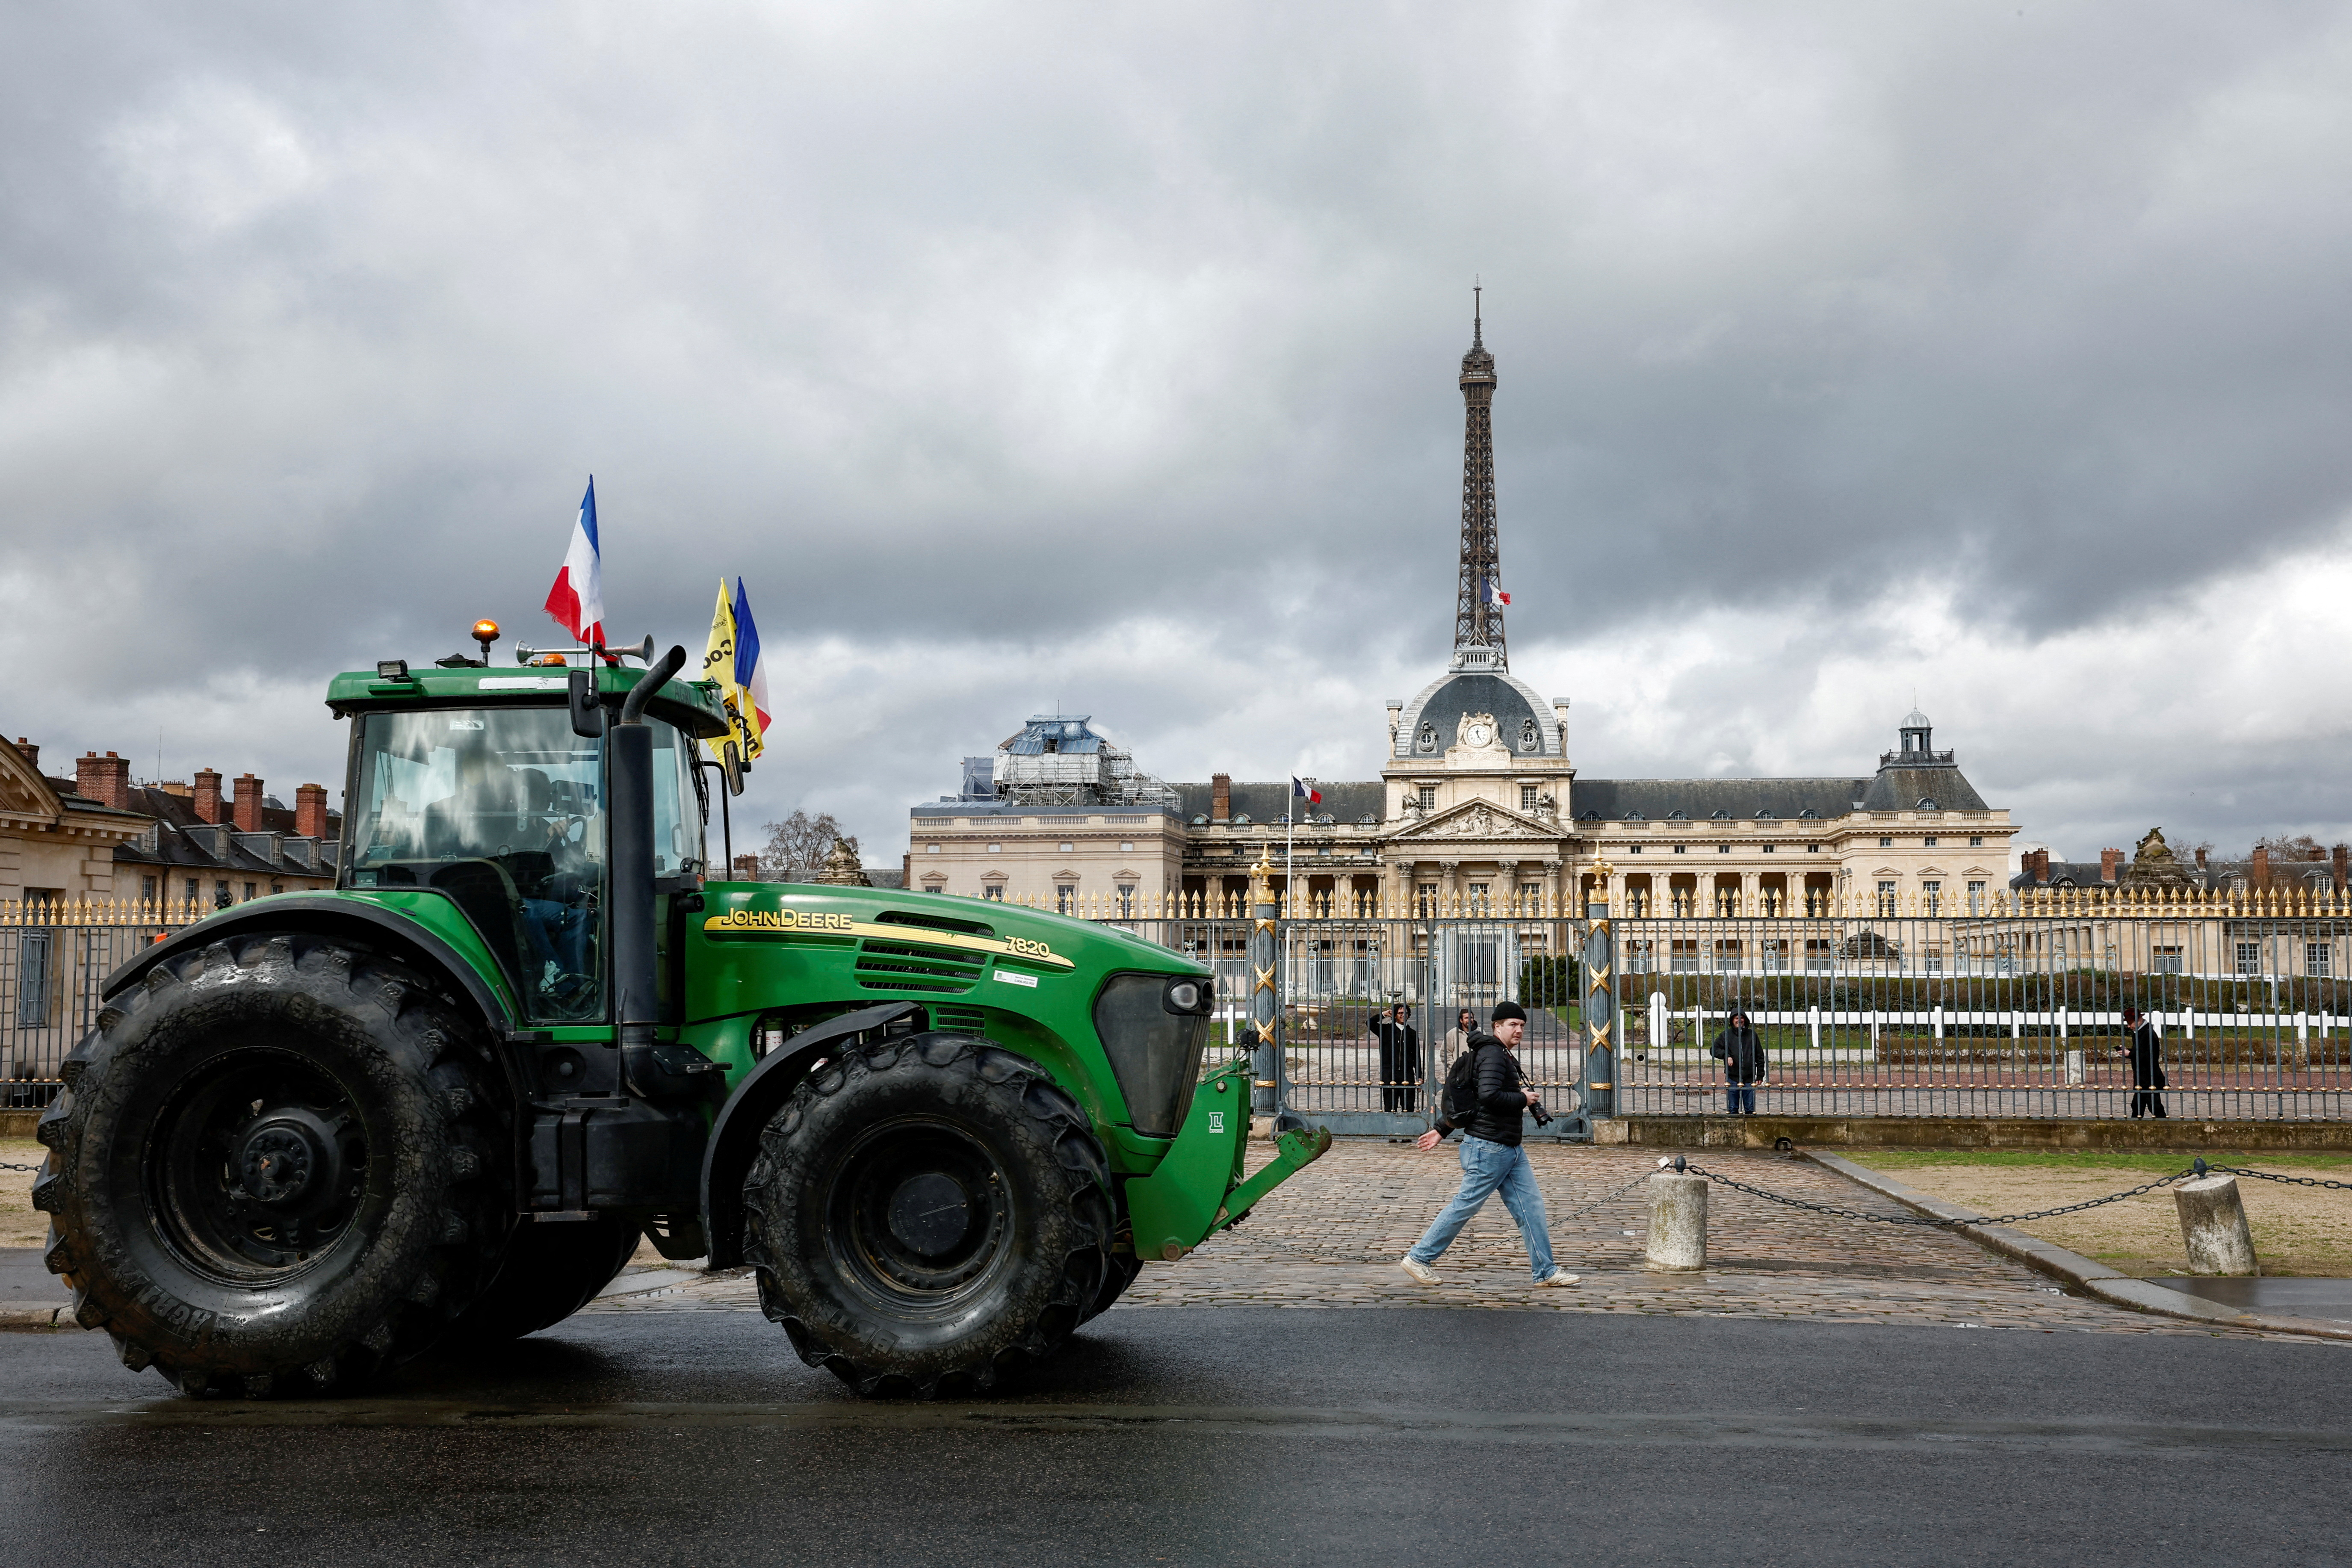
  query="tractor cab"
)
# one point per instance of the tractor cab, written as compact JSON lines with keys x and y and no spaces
{"x":477,"y":785}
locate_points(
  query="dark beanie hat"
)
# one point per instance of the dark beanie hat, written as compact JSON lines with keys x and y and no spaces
{"x":1506,"y":1010}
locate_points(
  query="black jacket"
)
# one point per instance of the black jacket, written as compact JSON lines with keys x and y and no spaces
{"x":1502,"y":1095}
{"x":1742,"y":1054}
{"x":2145,"y":1046}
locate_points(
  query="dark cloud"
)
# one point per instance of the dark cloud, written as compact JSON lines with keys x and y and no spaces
{"x":1106,"y":356}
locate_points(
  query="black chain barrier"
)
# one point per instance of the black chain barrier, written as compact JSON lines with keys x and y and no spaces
{"x":2197,"y":1170}
{"x":1596,"y":1202}
{"x":1930,"y":1222}
{"x":6,"y":1166}
{"x":2290,"y":1181}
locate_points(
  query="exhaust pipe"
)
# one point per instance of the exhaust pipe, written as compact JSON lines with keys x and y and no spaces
{"x":630,"y":918}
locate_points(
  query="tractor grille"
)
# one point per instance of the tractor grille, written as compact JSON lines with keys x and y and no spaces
{"x":972,"y":1020}
{"x":905,"y":966}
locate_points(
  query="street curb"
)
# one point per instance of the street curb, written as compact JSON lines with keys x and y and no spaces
{"x":2097,"y":1279}
{"x":36,"y":1320}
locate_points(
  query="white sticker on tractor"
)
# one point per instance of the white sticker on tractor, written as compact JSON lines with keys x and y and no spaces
{"x":1028,"y":980}
{"x":524,"y":683}
{"x":1217,"y":1121}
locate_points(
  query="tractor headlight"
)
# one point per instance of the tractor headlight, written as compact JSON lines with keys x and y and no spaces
{"x":1153,"y":1029}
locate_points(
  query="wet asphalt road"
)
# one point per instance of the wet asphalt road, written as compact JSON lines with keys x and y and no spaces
{"x":1221,"y":1434}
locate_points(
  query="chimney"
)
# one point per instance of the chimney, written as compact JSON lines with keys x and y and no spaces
{"x":747,"y":867}
{"x":2108,"y":860}
{"x":2200,"y":859}
{"x":2037,"y":865}
{"x":208,"y":796}
{"x":2341,"y":852}
{"x":1221,"y":798}
{"x":2259,"y":871}
{"x":105,"y":780}
{"x":310,"y":811}
{"x":248,"y":803}
{"x":32,"y":753}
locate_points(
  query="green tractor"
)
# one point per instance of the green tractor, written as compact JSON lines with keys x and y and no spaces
{"x":320,"y":1133}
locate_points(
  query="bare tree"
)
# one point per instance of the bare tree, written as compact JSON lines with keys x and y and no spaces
{"x":800,"y":841}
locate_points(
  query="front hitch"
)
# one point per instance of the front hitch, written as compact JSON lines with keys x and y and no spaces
{"x":1198,"y":1188}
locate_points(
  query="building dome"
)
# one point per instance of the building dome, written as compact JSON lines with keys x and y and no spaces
{"x":1522,"y":719}
{"x":1915,"y":720}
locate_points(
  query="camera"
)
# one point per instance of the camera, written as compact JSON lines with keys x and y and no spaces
{"x":1536,"y":1109}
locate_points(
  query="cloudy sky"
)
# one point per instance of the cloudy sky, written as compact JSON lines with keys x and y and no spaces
{"x":1102,"y":357}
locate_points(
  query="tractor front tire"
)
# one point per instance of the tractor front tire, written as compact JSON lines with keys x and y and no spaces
{"x":275,"y":1167}
{"x":927,"y":1214}
{"x":548,"y":1273}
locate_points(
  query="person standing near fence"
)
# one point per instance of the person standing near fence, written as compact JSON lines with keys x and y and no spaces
{"x":1457,"y":1038}
{"x":1400,"y":1060}
{"x":2145,"y":1047}
{"x":1492,"y":1159}
{"x":1742,"y":1054}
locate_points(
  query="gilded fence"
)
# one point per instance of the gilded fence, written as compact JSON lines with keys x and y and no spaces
{"x":1865,"y":1007}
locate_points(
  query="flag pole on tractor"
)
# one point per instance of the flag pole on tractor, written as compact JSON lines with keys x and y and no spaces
{"x":577,"y":600}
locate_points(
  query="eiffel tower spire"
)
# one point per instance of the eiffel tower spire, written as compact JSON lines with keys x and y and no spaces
{"x":1478,"y":625}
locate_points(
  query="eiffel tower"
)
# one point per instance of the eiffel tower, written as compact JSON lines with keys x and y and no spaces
{"x":1478,"y":625}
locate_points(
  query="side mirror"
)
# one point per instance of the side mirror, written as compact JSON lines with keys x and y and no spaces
{"x":587,"y":713}
{"x":730,"y":765}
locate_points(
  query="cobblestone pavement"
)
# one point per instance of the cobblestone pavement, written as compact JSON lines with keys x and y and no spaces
{"x":1332,"y":1234}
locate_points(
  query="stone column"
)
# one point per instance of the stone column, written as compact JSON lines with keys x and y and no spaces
{"x":1677,"y":1221}
{"x":2213,"y":1227}
{"x":1506,"y":884}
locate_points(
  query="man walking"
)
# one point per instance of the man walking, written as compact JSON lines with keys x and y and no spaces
{"x":1400,"y":1061}
{"x":1742,"y":1054}
{"x":2145,"y":1047}
{"x":1491,"y":1157}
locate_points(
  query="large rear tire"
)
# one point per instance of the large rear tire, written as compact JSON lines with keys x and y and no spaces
{"x":274,"y":1167}
{"x":926,"y":1213}
{"x":548,"y":1273}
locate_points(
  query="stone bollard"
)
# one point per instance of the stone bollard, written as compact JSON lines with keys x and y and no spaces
{"x":2213,"y":1227}
{"x":1677,"y":1221}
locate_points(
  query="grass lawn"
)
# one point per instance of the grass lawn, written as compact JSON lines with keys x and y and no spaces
{"x":2297,"y":1231}
{"x":20,"y":1226}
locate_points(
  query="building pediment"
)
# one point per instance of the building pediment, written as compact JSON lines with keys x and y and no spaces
{"x":23,"y":790}
{"x":1480,"y":820}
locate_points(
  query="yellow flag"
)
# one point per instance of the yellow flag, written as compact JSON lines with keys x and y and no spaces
{"x":718,"y":664}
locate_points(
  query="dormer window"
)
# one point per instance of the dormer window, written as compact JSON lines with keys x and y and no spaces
{"x":1678,"y":816}
{"x":1928,"y":804}
{"x":1427,"y":740}
{"x":1528,"y":741}
{"x":1809,"y":814}
{"x":1720,"y":817}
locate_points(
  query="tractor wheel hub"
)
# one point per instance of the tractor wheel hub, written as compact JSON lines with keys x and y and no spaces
{"x":930,"y":1213}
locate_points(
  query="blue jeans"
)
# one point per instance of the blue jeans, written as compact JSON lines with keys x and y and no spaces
{"x":1743,"y":1099}
{"x":1487,"y":1165}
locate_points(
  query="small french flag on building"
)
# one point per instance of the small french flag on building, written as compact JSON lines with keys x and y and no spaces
{"x":1493,"y":595}
{"x":577,"y":600}
{"x":1301,"y":790}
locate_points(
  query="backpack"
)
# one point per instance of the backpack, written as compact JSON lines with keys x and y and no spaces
{"x":1459,"y":1102}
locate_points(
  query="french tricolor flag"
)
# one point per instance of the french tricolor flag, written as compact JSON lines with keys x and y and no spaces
{"x":1300,"y":789}
{"x":1493,"y":595}
{"x":577,"y":600}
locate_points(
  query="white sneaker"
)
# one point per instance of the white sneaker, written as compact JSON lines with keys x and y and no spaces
{"x":1559,"y":1277}
{"x":1419,"y":1270}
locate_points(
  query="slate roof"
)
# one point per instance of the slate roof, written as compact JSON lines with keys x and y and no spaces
{"x":1739,"y":800}
{"x":1345,"y":801}
{"x":1906,"y":789}
{"x":182,"y":844}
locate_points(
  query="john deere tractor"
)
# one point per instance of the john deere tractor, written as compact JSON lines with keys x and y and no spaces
{"x":321,"y":1133}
